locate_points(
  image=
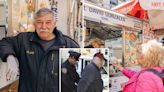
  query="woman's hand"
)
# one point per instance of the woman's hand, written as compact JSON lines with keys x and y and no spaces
{"x":115,"y":62}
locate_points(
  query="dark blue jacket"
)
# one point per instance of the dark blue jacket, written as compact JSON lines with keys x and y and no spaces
{"x":91,"y":80}
{"x":69,"y":78}
{"x":39,"y":69}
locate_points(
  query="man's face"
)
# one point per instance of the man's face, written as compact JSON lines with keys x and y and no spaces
{"x":99,"y":61}
{"x":72,"y":61}
{"x":44,"y":26}
{"x":97,"y":45}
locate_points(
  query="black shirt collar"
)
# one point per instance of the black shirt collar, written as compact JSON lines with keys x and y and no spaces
{"x":58,"y":34}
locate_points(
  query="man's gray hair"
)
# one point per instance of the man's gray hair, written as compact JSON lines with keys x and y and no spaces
{"x":43,"y":11}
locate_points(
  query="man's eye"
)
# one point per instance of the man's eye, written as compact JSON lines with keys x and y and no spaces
{"x":48,"y":22}
{"x":39,"y":22}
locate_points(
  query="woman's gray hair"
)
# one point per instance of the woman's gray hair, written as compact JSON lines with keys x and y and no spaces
{"x":43,"y":11}
{"x":153,"y":54}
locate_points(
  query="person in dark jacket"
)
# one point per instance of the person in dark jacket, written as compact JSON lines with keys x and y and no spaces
{"x":37,"y":53}
{"x":91,"y":78}
{"x":70,"y":77}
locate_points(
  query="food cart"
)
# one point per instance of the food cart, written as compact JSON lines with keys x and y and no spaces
{"x":121,"y":35}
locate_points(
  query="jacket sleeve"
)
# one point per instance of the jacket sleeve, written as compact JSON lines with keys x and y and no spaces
{"x":147,"y":82}
{"x":8,"y":46}
{"x":67,"y":81}
{"x":86,"y":79}
{"x":128,"y":72}
{"x":77,"y":77}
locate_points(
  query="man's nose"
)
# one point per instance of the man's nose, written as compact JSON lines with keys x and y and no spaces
{"x":43,"y":25}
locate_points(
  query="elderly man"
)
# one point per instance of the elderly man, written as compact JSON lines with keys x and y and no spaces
{"x":91,"y":78}
{"x":37,"y":53}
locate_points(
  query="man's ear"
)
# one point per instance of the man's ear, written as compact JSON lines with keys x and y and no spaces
{"x":34,"y":23}
{"x":55,"y":21}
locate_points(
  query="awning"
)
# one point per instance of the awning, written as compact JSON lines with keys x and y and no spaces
{"x":145,"y":9}
{"x":155,"y":10}
{"x":132,"y":8}
{"x":152,"y":4}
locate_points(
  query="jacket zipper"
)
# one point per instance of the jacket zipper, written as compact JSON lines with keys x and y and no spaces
{"x":52,"y":59}
{"x":53,"y":66}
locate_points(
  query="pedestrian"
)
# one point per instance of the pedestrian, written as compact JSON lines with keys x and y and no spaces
{"x":151,"y":77}
{"x":95,"y":43}
{"x":37,"y":53}
{"x":91,"y":78}
{"x":70,"y":77}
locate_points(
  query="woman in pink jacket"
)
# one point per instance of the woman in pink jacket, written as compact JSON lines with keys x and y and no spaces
{"x":151,"y":57}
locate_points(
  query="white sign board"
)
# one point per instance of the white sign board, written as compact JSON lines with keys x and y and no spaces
{"x":106,"y":16}
{"x":101,"y":3}
{"x":117,"y":83}
{"x":156,"y":19}
{"x":2,"y":15}
{"x":147,"y":32}
{"x":152,"y":4}
{"x":3,"y":71}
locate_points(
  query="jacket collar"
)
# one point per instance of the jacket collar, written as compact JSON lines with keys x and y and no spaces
{"x":67,"y":62}
{"x":58,"y":34}
{"x":96,"y":66}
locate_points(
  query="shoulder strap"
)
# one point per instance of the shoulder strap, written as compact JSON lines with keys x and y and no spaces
{"x":162,"y":71}
{"x":160,"y":74}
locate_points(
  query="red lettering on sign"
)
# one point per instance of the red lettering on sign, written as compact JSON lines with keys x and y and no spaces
{"x":156,"y":4}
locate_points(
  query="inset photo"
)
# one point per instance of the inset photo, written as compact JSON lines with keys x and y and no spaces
{"x":84,"y":70}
